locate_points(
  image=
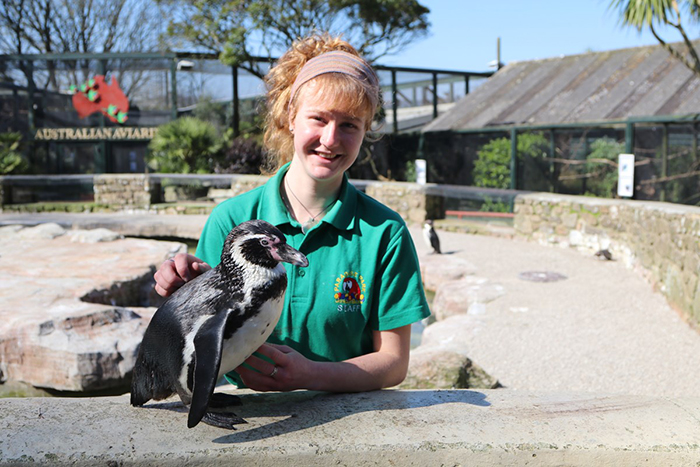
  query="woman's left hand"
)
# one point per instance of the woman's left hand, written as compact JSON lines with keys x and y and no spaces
{"x":289,"y":372}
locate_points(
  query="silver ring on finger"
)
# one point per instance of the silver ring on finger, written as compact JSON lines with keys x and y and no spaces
{"x":274,"y":371}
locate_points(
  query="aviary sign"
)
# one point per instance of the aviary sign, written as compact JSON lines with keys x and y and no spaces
{"x":95,"y":95}
{"x":96,"y":134}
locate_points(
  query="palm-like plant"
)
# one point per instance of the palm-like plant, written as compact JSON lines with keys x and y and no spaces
{"x":11,"y":159}
{"x":185,"y":145}
{"x":647,"y":13}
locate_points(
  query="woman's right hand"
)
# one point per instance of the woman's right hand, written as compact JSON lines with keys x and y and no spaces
{"x":174,"y":272}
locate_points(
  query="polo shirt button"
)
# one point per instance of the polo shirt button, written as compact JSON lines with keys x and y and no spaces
{"x":302,"y":273}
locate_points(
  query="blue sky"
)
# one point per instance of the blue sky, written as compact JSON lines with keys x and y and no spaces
{"x":463,"y":33}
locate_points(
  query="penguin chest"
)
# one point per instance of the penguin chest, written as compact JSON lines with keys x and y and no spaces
{"x":251,"y":335}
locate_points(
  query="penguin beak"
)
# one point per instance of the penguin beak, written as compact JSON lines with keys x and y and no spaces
{"x":284,"y":253}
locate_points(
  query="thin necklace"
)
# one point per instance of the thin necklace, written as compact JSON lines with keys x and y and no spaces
{"x":313,"y":220}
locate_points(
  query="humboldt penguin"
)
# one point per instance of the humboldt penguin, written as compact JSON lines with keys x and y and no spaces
{"x":430,"y":236}
{"x":214,"y":322}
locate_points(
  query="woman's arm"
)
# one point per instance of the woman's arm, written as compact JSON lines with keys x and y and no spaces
{"x":385,"y":367}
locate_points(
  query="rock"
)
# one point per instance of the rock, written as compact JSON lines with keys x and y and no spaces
{"x":42,"y":231}
{"x":468,"y":295}
{"x":453,"y":333}
{"x":9,"y":230}
{"x":93,"y":236}
{"x":437,"y":269}
{"x":434,"y":368}
{"x":73,"y":314}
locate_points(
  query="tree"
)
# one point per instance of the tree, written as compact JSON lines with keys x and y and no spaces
{"x":240,"y":30}
{"x":648,"y":13}
{"x":83,"y":26}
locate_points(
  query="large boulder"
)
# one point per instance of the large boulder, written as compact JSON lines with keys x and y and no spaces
{"x":467,"y":295}
{"x":75,"y":305}
{"x":438,"y":269}
{"x":436,"y":368}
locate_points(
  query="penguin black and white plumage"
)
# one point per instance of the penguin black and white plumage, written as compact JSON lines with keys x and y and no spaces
{"x":214,"y":322}
{"x":604,"y":254}
{"x":430,"y":236}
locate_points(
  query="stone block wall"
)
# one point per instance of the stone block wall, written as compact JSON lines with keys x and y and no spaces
{"x":126,"y":190}
{"x":414,"y":202}
{"x":662,"y":239}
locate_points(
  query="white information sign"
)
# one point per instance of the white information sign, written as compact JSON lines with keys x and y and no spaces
{"x":625,"y":175}
{"x":421,"y":171}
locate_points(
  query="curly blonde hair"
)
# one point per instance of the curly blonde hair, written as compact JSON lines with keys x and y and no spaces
{"x":356,"y":97}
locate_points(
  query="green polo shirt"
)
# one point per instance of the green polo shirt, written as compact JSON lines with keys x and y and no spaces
{"x":363,"y":272}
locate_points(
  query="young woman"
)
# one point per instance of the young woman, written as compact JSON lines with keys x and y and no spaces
{"x":347,"y":316}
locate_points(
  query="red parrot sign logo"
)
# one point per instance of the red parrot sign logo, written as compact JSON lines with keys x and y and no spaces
{"x":350,"y":290}
{"x":95,"y":95}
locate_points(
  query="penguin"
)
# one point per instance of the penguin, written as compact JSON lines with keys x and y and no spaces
{"x":430,"y":236}
{"x":214,"y":322}
{"x":604,"y":254}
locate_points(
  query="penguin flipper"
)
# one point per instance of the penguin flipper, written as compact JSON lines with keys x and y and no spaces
{"x":208,"y":344}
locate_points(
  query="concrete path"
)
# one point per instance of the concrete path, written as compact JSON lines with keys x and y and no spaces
{"x":602,"y":330}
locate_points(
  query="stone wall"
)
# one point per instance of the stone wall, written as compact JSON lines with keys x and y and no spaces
{"x":660,"y":239}
{"x":126,"y":190}
{"x":414,"y":202}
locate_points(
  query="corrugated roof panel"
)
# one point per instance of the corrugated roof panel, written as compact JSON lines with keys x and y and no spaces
{"x":688,"y":99}
{"x":489,"y":116}
{"x":561,"y":104}
{"x":483,"y":103}
{"x":561,"y":78}
{"x":618,"y":84}
{"x":676,"y":76}
{"x":610,"y":92}
{"x":461,"y":112}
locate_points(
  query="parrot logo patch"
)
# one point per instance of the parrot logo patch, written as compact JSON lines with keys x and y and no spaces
{"x":349,"y":290}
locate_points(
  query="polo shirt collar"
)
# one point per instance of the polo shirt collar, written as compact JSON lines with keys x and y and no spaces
{"x":341,"y":216}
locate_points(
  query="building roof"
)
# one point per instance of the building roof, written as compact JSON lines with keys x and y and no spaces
{"x":595,"y":86}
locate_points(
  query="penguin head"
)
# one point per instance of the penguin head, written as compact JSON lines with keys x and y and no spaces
{"x":260,"y":243}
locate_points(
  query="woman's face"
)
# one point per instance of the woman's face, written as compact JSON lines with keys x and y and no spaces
{"x":327,"y":139}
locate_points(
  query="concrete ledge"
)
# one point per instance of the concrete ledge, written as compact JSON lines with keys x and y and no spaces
{"x":492,"y":427}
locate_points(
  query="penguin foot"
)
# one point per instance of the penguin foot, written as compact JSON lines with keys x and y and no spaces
{"x":226,"y":420}
{"x":219,"y":400}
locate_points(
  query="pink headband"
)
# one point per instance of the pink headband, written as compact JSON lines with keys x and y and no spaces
{"x":334,"y":62}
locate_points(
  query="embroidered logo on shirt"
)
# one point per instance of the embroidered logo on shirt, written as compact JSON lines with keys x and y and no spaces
{"x":349,"y":291}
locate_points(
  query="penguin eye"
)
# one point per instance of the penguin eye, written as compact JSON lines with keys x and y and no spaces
{"x":264,"y":242}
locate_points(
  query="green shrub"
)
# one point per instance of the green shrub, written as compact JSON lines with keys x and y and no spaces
{"x":492,"y":166}
{"x":603,"y":182}
{"x":11,"y":158}
{"x":185,"y":145}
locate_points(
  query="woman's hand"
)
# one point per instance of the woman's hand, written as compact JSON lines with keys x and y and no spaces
{"x":174,"y":272}
{"x":385,"y":367}
{"x":289,"y":372}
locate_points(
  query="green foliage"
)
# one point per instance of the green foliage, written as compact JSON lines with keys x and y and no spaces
{"x":11,"y":158}
{"x":185,"y":145}
{"x":490,"y":205}
{"x":603,"y":183}
{"x":492,"y":166}
{"x":241,"y":29}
